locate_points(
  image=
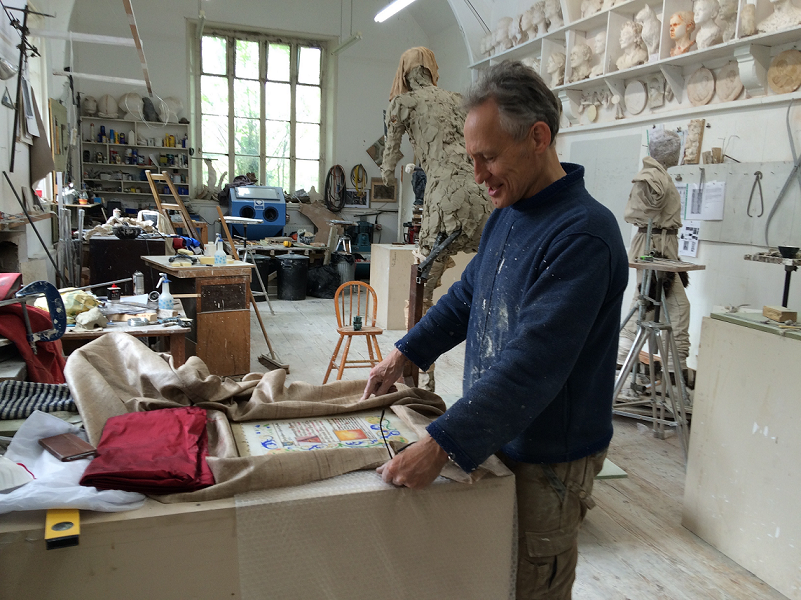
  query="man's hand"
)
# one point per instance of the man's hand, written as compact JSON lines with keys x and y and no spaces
{"x":417,"y":466}
{"x":384,"y":375}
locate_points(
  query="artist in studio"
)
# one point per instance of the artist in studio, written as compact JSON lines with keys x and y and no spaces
{"x":539,"y":306}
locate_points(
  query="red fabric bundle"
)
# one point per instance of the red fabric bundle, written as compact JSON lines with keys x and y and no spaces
{"x":156,"y":452}
{"x":47,"y":365}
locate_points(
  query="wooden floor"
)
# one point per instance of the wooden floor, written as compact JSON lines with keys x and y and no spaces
{"x":632,"y":545}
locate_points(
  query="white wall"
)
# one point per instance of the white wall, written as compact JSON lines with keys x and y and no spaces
{"x":751,"y":134}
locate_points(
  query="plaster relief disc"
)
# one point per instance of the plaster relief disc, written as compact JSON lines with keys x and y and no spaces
{"x":636,"y":97}
{"x":728,"y":85}
{"x":784,"y":74}
{"x":592,"y":113}
{"x":701,"y":87}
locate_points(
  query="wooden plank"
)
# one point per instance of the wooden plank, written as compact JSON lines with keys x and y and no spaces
{"x":223,"y":341}
{"x":186,"y":271}
{"x":779,"y":313}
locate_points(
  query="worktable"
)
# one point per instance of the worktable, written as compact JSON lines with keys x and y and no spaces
{"x":743,"y":481}
{"x":174,"y":336}
{"x":351,"y":536}
{"x":215,"y":298}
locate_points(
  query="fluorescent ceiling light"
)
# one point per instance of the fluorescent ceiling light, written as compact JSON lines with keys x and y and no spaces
{"x":347,"y":43}
{"x":391,"y":10}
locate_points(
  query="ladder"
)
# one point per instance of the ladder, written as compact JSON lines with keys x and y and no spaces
{"x":178,"y":205}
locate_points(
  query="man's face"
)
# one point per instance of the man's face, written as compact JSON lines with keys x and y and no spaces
{"x":508,"y":168}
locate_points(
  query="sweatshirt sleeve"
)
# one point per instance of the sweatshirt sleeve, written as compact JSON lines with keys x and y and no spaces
{"x":558,"y":310}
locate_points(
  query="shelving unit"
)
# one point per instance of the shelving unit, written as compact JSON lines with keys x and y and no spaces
{"x":126,"y":179}
{"x":752,"y":54}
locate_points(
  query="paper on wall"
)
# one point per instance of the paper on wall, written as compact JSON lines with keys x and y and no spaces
{"x":705,"y":204}
{"x":688,"y":238}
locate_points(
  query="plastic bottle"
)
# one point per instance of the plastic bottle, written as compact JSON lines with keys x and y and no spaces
{"x":219,"y":255}
{"x":166,"y":301}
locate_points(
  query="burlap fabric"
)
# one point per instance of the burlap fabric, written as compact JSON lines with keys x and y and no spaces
{"x":116,"y":374}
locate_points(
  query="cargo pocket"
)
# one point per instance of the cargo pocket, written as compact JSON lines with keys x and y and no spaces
{"x":545,"y":556}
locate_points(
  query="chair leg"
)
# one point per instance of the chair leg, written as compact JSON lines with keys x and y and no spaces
{"x":370,"y":350}
{"x":344,"y":358}
{"x":332,"y":362}
{"x":377,"y":349}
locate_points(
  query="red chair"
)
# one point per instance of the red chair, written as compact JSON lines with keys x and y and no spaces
{"x":352,"y":299}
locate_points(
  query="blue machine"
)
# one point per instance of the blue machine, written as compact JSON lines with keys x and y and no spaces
{"x":259,"y":202}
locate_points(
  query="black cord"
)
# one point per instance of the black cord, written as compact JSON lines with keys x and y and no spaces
{"x":381,"y":429}
{"x":335,"y":189}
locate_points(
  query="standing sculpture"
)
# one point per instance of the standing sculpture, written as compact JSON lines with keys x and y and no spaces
{"x":434,"y":120}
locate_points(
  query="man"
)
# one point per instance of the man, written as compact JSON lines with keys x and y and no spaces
{"x":539,"y":306}
{"x":654,"y":196}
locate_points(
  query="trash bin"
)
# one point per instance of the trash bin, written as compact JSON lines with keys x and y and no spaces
{"x":292,"y":274}
{"x":266,"y":265}
{"x":346,"y":265}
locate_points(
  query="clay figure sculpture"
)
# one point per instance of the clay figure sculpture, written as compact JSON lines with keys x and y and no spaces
{"x":682,"y":24}
{"x":785,"y":14}
{"x":634,"y":50}
{"x":727,"y":19}
{"x":651,"y":28}
{"x":434,"y":120}
{"x":580,"y":57}
{"x":538,"y":18}
{"x":599,"y":47}
{"x":707,"y":31}
{"x":556,"y":69}
{"x":502,"y":41}
{"x":590,"y":7}
{"x":654,"y":196}
{"x":748,"y":20}
{"x":553,"y":12}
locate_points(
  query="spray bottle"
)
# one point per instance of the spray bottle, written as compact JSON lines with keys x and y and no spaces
{"x":220,"y":257}
{"x":166,"y":301}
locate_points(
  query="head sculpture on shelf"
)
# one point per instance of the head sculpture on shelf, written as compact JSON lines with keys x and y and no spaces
{"x":107,"y":107}
{"x":89,"y":106}
{"x":682,"y":24}
{"x":131,"y":103}
{"x":172,"y":107}
{"x":664,"y":146}
{"x":553,"y":12}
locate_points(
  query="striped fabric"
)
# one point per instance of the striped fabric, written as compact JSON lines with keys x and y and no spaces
{"x":18,"y":399}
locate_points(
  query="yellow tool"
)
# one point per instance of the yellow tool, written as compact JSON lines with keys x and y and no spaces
{"x":288,"y":244}
{"x":62,"y":528}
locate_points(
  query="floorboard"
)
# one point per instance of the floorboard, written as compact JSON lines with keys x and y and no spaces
{"x":632,"y":545}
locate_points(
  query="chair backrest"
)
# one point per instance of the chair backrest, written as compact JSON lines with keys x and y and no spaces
{"x":355,"y":298}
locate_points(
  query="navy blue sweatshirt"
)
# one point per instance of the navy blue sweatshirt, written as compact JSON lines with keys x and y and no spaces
{"x":539,"y":306}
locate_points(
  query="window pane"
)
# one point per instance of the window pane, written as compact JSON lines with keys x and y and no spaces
{"x":307,"y":144}
{"x":277,"y":98}
{"x":277,"y":172}
{"x":277,"y":135}
{"x":212,"y":55}
{"x":219,"y":164}
{"x":309,"y":66}
{"x":246,"y":164}
{"x":307,"y":174}
{"x":247,"y":59}
{"x":213,"y":95}
{"x":246,"y":98}
{"x":307,"y":103}
{"x":278,"y":62}
{"x":246,"y":140}
{"x":215,"y":134}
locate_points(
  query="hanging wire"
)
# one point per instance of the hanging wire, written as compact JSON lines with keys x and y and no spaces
{"x":335,"y":188}
{"x":358,"y":177}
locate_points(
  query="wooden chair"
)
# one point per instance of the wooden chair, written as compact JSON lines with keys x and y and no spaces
{"x":355,"y":298}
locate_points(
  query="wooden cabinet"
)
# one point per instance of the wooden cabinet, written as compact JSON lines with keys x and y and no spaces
{"x":216,"y":299}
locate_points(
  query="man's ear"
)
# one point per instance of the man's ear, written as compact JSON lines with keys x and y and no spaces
{"x":540,"y":136}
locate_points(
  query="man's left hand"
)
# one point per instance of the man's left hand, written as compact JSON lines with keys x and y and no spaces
{"x":417,"y":466}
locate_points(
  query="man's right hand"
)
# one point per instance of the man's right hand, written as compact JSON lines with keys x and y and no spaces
{"x":384,"y":375}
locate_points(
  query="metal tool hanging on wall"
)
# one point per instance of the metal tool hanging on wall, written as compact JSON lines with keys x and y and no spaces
{"x":757,"y":182}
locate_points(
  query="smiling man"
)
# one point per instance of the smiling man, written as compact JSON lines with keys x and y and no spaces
{"x":539,"y":307}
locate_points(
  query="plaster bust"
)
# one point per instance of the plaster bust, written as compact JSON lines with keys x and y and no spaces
{"x":590,"y":7}
{"x":634,"y":50}
{"x":580,"y":57}
{"x":556,"y":69}
{"x":553,"y":12}
{"x":707,"y":31}
{"x":599,"y":47}
{"x":727,"y":18}
{"x":486,"y":48}
{"x":785,"y":14}
{"x":501,"y":37}
{"x":527,"y":25}
{"x":532,"y":62}
{"x":610,"y":3}
{"x":89,"y":106}
{"x":650,"y":28}
{"x":516,"y":34}
{"x":682,"y":24}
{"x":748,"y":20}
{"x":538,"y":20}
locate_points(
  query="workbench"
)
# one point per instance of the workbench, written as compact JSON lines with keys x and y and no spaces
{"x":215,"y":298}
{"x":174,"y":337}
{"x":743,"y":480}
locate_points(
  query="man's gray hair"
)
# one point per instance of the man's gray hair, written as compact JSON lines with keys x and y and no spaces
{"x":521,"y":95}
